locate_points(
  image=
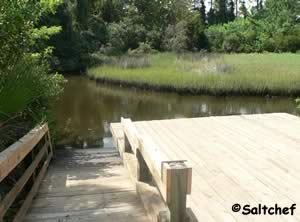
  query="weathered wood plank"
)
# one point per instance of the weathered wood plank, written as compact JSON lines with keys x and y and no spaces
{"x":14,"y":192}
{"x":149,"y":151}
{"x":81,"y":192}
{"x":14,"y":154}
{"x":173,"y":183}
{"x":26,"y":205}
{"x":246,"y":159}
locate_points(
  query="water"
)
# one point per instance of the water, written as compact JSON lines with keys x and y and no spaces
{"x":86,"y":109}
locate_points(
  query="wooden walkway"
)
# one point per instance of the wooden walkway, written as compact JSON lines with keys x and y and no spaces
{"x":178,"y":170}
{"x":248,"y":159}
{"x":87,"y":185}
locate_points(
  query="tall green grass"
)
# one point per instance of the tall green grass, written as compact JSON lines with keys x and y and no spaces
{"x":241,"y":74}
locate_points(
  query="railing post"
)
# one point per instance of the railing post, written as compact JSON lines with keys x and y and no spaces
{"x":177,"y":177}
{"x":50,"y":143}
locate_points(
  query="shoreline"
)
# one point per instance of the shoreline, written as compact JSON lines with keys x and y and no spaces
{"x":190,"y":91}
{"x":225,"y":75}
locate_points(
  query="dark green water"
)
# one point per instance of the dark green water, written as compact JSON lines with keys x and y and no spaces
{"x":86,"y":109}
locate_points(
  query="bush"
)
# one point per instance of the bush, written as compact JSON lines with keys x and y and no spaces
{"x":195,"y":29}
{"x":232,"y":43}
{"x":154,"y":38}
{"x":25,"y":83}
{"x":28,"y":81}
{"x":215,"y":36}
{"x":175,"y":37}
{"x":274,"y":30}
{"x":144,"y":48}
{"x":126,"y":35}
{"x":284,"y":43}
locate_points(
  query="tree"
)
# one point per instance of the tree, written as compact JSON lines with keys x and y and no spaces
{"x":221,"y":13}
{"x":111,"y":10}
{"x":211,"y":17}
{"x":24,"y":73}
{"x":279,"y":24}
{"x":243,"y":9}
{"x":195,"y":32}
{"x":202,"y":10}
{"x":176,"y":38}
{"x":231,"y":9}
{"x":108,"y":11}
{"x":259,"y":5}
{"x":83,"y":11}
{"x":236,"y":7}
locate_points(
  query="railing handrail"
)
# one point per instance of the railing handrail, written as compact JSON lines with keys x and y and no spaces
{"x":15,"y":153}
{"x":11,"y":157}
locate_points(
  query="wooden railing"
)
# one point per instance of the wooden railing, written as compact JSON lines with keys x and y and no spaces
{"x":35,"y":148}
{"x":171,"y":177}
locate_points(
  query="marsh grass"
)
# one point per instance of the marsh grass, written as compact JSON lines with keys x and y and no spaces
{"x":128,"y":62}
{"x":229,"y":74}
{"x":203,"y":63}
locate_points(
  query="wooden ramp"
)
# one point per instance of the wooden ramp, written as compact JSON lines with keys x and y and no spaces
{"x":248,"y":159}
{"x":87,"y":185}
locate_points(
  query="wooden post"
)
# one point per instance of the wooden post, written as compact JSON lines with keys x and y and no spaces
{"x":143,"y":173}
{"x":50,"y":143}
{"x":127,"y":146}
{"x":178,"y":185}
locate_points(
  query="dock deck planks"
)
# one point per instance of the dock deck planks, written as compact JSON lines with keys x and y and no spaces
{"x":247,"y":159}
{"x":87,"y":185}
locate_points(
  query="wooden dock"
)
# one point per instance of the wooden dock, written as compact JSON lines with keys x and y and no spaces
{"x":247,"y":159}
{"x":87,"y":185}
{"x":177,"y":170}
{"x":79,"y":185}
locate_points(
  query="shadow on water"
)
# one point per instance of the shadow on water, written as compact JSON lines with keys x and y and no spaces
{"x":86,"y":109}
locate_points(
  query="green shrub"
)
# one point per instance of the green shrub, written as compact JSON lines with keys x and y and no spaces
{"x":232,"y":43}
{"x":215,"y":36}
{"x":251,"y":35}
{"x":154,"y":38}
{"x":144,"y":48}
{"x":26,"y":82}
{"x":175,"y":37}
{"x":126,"y":35}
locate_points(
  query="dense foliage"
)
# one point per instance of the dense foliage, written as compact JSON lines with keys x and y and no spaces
{"x":273,"y":28}
{"x":97,"y":28}
{"x":25,"y":83}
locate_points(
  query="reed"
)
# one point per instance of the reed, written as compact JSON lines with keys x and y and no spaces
{"x":213,"y":74}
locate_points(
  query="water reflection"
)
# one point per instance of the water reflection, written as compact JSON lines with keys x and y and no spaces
{"x":86,"y":109}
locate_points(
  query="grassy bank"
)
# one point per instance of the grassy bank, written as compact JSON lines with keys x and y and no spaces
{"x":231,"y":74}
